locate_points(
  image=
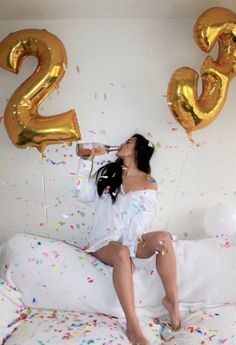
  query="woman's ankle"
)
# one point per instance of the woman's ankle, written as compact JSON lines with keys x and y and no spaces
{"x":132,"y":323}
{"x":173,"y":300}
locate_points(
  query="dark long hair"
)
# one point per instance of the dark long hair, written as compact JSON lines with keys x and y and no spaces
{"x":109,"y":177}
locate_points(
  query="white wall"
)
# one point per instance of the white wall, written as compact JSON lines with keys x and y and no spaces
{"x":125,"y":66}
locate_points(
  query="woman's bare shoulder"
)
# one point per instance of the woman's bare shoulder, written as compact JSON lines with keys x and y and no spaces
{"x":150,"y":183}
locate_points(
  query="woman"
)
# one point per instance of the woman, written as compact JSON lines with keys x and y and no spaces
{"x":125,"y":197}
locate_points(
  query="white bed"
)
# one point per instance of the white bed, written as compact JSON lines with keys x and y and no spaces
{"x":55,"y":293}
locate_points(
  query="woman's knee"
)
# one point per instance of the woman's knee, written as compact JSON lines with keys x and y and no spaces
{"x":121,"y":254}
{"x":163,"y":236}
{"x":163,"y":242}
{"x":158,"y":241}
{"x":112,"y":253}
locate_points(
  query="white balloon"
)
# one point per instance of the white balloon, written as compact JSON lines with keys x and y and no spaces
{"x":220,"y":219}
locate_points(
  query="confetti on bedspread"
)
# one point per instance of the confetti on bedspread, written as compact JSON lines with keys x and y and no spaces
{"x":50,"y":274}
{"x":44,"y":327}
{"x":210,"y":326}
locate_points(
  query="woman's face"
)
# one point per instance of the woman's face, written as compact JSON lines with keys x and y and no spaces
{"x":127,"y":149}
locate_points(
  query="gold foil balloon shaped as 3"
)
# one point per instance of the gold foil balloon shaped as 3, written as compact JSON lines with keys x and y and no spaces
{"x":25,"y":126}
{"x":192,"y":112}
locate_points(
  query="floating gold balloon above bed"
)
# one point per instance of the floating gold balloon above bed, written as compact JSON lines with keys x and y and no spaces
{"x":24,"y":125}
{"x":192,"y":112}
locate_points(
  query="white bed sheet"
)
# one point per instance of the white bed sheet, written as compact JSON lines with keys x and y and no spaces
{"x":207,"y":326}
{"x":41,"y":273}
{"x":11,"y":307}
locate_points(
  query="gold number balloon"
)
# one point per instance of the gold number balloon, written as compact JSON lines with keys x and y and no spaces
{"x":192,"y":112}
{"x":23,"y":123}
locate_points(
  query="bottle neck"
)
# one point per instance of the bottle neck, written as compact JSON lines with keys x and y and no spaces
{"x":112,"y":148}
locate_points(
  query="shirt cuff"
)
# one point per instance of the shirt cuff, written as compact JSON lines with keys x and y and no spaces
{"x":84,"y":165}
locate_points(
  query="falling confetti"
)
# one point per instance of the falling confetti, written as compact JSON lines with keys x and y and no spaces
{"x":90,"y":280}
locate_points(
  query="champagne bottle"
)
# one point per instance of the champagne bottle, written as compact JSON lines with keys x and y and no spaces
{"x":87,"y":149}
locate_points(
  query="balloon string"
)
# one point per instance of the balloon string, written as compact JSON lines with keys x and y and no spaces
{"x":177,"y":185}
{"x":44,"y":194}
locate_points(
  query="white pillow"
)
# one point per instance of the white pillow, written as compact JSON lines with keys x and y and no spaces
{"x":51,"y":274}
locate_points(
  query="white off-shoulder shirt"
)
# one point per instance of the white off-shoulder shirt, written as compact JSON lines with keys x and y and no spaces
{"x":123,"y":221}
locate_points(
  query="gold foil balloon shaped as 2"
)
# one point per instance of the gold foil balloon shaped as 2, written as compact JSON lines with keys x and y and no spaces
{"x":25,"y":126}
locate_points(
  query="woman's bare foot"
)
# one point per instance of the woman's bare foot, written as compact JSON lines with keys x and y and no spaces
{"x":136,"y":336}
{"x":173,"y":310}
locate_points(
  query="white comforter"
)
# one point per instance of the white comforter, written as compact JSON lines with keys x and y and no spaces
{"x":208,"y":326}
{"x":43,"y":273}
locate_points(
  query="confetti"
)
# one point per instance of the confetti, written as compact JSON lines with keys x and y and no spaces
{"x":65,"y":216}
{"x":57,"y":163}
{"x":90,"y":280}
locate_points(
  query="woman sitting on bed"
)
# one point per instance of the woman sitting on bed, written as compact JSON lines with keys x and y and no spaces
{"x":125,"y":197}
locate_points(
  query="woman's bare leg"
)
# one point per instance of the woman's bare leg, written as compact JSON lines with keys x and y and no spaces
{"x":166,"y":267}
{"x":117,"y":255}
